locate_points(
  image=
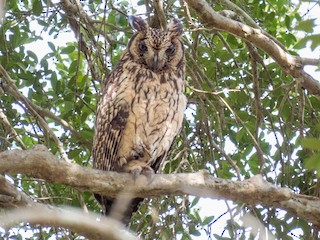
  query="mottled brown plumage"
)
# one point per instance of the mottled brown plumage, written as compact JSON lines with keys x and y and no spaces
{"x":141,"y":109}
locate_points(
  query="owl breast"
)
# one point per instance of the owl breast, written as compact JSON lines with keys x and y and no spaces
{"x":155,"y":117}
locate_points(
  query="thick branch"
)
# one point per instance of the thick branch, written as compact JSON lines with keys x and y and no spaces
{"x":292,"y":65}
{"x":40,"y":163}
{"x":76,"y":220}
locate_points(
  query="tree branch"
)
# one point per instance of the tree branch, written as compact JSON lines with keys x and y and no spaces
{"x":40,"y":163}
{"x":73,"y":219}
{"x":11,"y":197}
{"x":10,"y":130}
{"x":292,"y":65}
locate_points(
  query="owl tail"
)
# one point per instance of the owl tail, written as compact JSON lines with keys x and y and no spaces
{"x":119,"y":209}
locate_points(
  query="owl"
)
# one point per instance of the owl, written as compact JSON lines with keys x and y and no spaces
{"x":141,"y":108}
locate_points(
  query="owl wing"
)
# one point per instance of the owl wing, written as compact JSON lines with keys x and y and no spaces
{"x":112,"y":115}
{"x":157,"y":163}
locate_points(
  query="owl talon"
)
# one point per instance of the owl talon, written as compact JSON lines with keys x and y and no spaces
{"x":122,"y":161}
{"x":149,"y":173}
{"x":135,"y":173}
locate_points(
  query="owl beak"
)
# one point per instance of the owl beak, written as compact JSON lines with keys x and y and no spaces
{"x":155,"y":62}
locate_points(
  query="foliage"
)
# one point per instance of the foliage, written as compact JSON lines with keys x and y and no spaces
{"x":244,"y":116}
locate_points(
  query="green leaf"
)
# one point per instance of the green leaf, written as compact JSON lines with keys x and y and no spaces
{"x":193,"y":231}
{"x":306,"y":26}
{"x":240,"y":134}
{"x":37,"y":7}
{"x":67,"y":50}
{"x":313,"y":163}
{"x":21,"y":65}
{"x":194,"y":202}
{"x":74,"y":153}
{"x":315,"y":41}
{"x":207,"y":220}
{"x":311,"y":143}
{"x":288,"y":21}
{"x":73,"y":66}
{"x":52,"y":46}
{"x":33,"y":55}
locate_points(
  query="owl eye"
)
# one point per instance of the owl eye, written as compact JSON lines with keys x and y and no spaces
{"x":171,"y":50}
{"x":142,"y":47}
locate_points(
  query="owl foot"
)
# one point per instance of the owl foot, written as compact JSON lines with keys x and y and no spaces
{"x":136,"y":168}
{"x":147,"y":171}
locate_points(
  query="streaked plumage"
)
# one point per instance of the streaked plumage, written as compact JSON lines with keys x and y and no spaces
{"x":141,"y":109}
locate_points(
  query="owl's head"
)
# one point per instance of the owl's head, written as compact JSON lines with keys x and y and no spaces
{"x":157,"y":50}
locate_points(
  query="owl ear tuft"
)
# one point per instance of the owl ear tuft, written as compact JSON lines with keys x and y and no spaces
{"x":175,"y":26}
{"x":138,"y":23}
